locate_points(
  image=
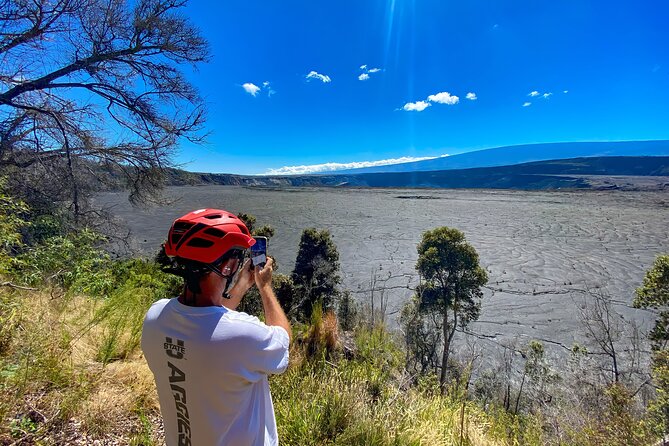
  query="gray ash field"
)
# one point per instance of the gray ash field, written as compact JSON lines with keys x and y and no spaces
{"x":541,"y":249}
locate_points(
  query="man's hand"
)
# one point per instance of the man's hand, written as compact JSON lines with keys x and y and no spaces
{"x":263,"y":276}
{"x":245,"y":279}
{"x":274,"y":314}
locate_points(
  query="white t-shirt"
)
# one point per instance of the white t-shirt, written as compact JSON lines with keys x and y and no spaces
{"x":211,"y":366}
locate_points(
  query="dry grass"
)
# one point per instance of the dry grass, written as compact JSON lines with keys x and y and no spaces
{"x":53,"y":383}
{"x":57,"y":392}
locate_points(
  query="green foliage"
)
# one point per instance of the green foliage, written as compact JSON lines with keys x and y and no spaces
{"x":654,"y":293}
{"x":658,"y":409}
{"x":250,"y":222}
{"x":540,"y":375}
{"x":451,"y":284}
{"x":365,"y":401}
{"x":617,"y":426}
{"x":43,"y":227}
{"x":264,"y":231}
{"x":144,"y":436}
{"x":283,"y":289}
{"x":67,"y":261}
{"x":451,"y":272}
{"x":137,"y":285}
{"x":347,"y":311}
{"x":422,"y":337}
{"x":316,"y":273}
{"x":12,"y":222}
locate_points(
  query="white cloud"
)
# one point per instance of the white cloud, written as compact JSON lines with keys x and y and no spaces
{"x":321,"y":77}
{"x":527,"y":104}
{"x":547,"y":95}
{"x":566,"y":91}
{"x":250,"y":88}
{"x":471,"y":96}
{"x":534,"y":94}
{"x":268,"y":88}
{"x":326,"y":167}
{"x":443,"y":98}
{"x":418,"y":106}
{"x":365,"y":75}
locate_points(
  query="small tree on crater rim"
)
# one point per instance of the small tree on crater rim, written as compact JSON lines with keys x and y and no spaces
{"x":451,"y":281}
{"x":316,"y":273}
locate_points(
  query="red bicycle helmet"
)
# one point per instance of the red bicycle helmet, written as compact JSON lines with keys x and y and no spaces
{"x":206,"y":235}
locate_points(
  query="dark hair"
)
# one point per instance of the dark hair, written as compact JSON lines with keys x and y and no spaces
{"x":193,"y":271}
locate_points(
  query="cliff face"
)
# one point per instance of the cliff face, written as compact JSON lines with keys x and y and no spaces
{"x":576,"y":173}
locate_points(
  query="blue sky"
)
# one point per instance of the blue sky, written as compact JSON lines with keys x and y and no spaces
{"x":611,"y":58}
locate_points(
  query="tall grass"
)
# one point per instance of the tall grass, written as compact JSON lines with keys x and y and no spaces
{"x":367,"y":401}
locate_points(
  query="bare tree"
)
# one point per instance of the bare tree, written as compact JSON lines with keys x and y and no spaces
{"x":612,"y":337}
{"x":86,"y":84}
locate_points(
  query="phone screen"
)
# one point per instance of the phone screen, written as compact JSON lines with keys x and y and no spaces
{"x":259,"y":251}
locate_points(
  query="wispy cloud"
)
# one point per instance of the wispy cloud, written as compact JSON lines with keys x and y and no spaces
{"x":471,"y":96}
{"x":418,"y":106}
{"x":443,"y":98}
{"x":321,"y":77}
{"x":547,"y":95}
{"x":326,"y":167}
{"x":527,"y":104}
{"x":365,"y":75}
{"x":565,"y":91}
{"x":533,"y":94}
{"x":268,"y":89}
{"x":251,"y":89}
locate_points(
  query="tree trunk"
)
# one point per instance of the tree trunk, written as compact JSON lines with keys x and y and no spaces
{"x":444,"y":356}
{"x":614,"y":357}
{"x":520,"y":392}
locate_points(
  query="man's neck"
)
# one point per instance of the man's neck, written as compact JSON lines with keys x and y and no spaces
{"x":196,"y":300}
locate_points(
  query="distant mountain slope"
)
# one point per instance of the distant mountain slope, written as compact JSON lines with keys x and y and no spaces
{"x":504,"y":156}
{"x":579,"y":173}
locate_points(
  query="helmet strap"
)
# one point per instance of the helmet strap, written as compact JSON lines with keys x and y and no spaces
{"x":229,"y":280}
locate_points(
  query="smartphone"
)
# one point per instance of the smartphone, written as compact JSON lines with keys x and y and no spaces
{"x":259,"y":252}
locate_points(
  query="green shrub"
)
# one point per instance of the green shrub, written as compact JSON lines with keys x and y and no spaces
{"x":65,"y":261}
{"x":135,"y":285}
{"x":12,"y":212}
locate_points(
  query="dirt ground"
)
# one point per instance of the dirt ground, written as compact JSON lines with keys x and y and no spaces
{"x":541,"y":249}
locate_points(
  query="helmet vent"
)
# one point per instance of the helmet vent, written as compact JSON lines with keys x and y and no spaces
{"x":199,"y":243}
{"x":215,"y":232}
{"x":213,"y":216}
{"x":180,"y":228}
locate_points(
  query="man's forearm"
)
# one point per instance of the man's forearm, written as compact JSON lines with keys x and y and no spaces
{"x":274,"y":314}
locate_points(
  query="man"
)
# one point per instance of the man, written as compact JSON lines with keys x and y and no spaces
{"x":210,"y":362}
